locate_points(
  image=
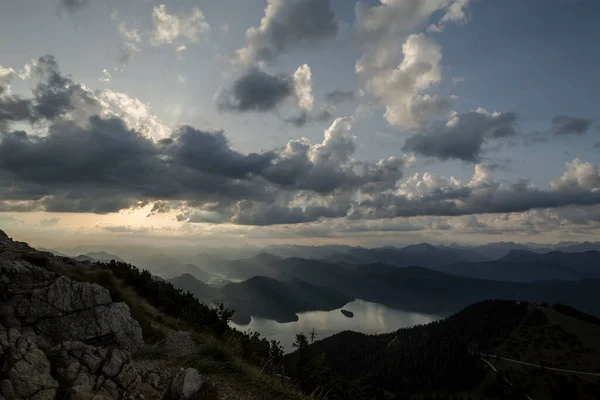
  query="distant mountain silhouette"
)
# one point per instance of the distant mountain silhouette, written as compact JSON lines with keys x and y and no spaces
{"x":527,"y":266}
{"x":266,"y":297}
{"x":189,"y":283}
{"x":424,"y":255}
{"x":103,"y":256}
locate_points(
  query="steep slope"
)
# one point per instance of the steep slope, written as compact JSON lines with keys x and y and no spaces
{"x":444,"y":358}
{"x":189,"y":283}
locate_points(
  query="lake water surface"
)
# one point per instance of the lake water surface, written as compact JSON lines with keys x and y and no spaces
{"x":368,"y":318}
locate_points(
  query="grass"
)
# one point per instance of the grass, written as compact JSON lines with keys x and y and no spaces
{"x":154,"y":350}
{"x":225,"y":356}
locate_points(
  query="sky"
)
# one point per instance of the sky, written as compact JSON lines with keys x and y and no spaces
{"x":299,"y":121}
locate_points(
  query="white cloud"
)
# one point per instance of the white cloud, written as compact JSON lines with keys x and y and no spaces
{"x":105,"y":77}
{"x":134,"y":112}
{"x":131,"y":35}
{"x":171,"y":28}
{"x":578,"y":176}
{"x":402,"y":88}
{"x":303,"y":87}
{"x":455,"y":13}
{"x":6,"y":77}
{"x":458,"y":79}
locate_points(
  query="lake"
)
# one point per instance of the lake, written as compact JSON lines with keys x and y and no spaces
{"x":368,"y":318}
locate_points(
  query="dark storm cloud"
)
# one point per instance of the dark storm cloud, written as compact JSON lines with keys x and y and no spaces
{"x":287,"y":25}
{"x":85,"y":161}
{"x":340,"y":96}
{"x":54,"y":96}
{"x":463,"y":136}
{"x":210,"y":152}
{"x":565,"y":125}
{"x":256,"y":91}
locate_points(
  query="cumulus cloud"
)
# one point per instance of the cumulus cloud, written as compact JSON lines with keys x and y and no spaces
{"x":401,"y":88}
{"x":455,"y":13}
{"x":288,"y":24}
{"x":172,"y":29}
{"x":463,"y":136}
{"x":482,"y":195}
{"x":94,"y":156}
{"x":565,"y":125}
{"x":6,"y":77}
{"x":578,"y":176}
{"x":256,"y":90}
{"x":303,"y":87}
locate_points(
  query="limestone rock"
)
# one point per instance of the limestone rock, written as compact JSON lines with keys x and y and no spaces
{"x":186,"y":384}
{"x":25,"y":369}
{"x":89,"y":372}
{"x":60,"y":309}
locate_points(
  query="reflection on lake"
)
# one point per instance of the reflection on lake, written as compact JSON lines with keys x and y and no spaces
{"x":368,"y":318}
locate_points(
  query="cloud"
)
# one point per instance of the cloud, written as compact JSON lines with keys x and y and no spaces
{"x":340,"y":96}
{"x":286,"y":25}
{"x":306,"y":118}
{"x":484,"y":195}
{"x":401,"y":88}
{"x":96,"y":155}
{"x":303,"y":87}
{"x":74,"y":5}
{"x":455,"y":13}
{"x":128,"y":52}
{"x":463,"y":136}
{"x":578,"y":176}
{"x":565,"y":125}
{"x":256,"y":90}
{"x":171,"y":28}
{"x":6,"y":77}
{"x":105,"y":77}
{"x":130,"y":35}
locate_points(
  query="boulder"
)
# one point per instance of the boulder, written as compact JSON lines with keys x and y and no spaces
{"x":26,"y":369}
{"x":186,"y":384}
{"x":88,"y":372}
{"x":60,"y":309}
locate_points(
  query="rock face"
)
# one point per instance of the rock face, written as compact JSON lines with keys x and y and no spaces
{"x":186,"y":385}
{"x":25,"y":368}
{"x":59,"y":309}
{"x":44,"y":319}
{"x":87,"y":372}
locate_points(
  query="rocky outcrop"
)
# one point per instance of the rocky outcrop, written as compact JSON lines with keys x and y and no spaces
{"x":59,"y":309}
{"x":25,"y":370}
{"x":47,"y":322}
{"x":86,"y":372}
{"x":186,"y":384}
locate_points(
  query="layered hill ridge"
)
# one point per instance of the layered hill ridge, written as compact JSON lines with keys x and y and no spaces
{"x":450,"y":359}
